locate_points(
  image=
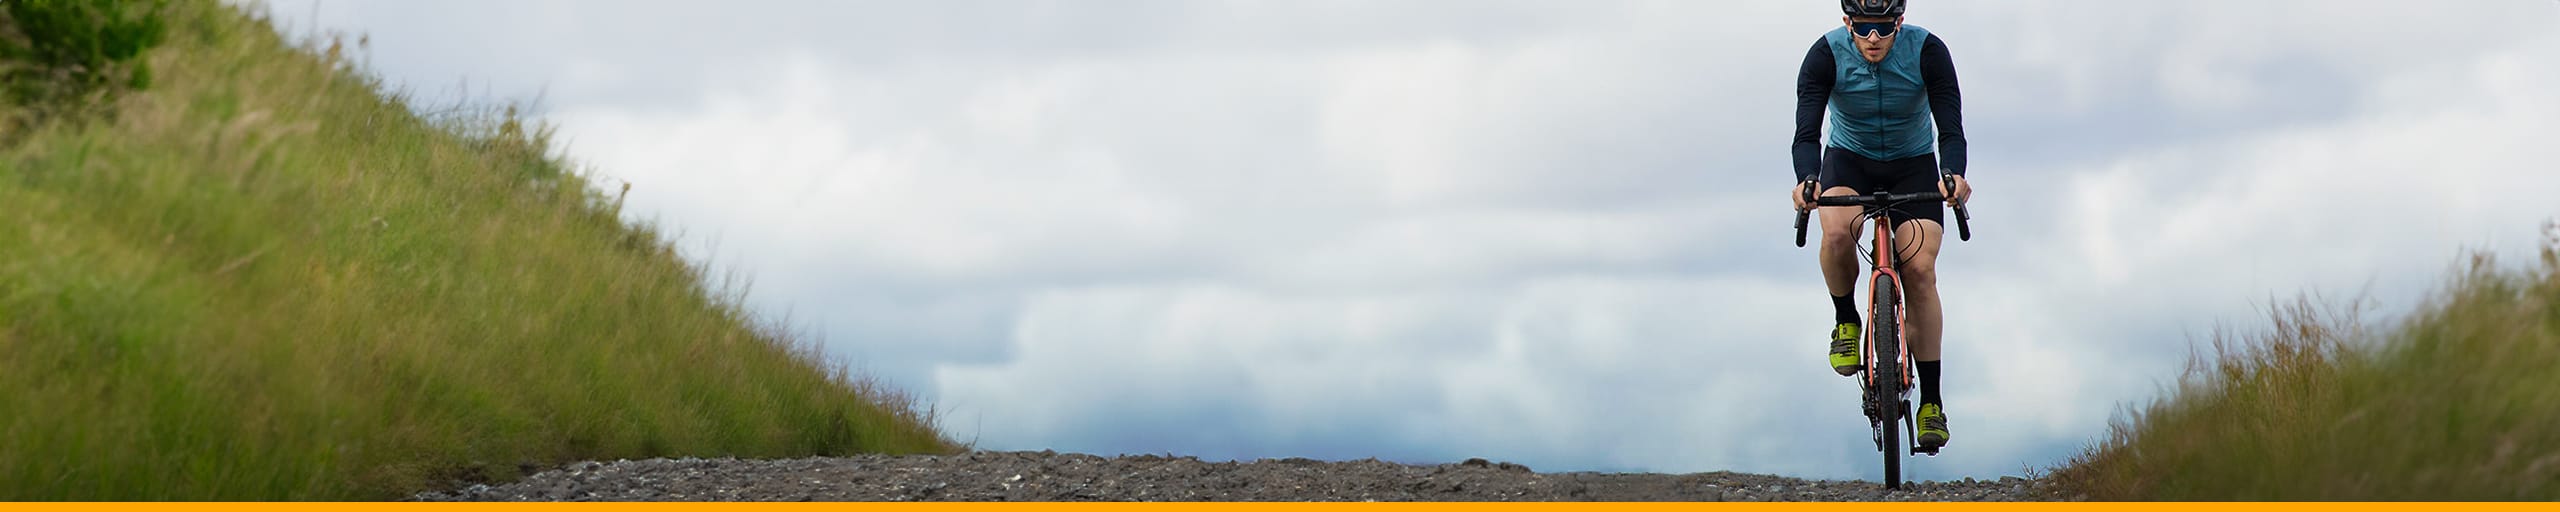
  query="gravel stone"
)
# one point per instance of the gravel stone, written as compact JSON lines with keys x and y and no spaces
{"x":1052,"y":476}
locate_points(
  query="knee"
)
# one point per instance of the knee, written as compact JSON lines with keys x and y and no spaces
{"x":1839,"y":239}
{"x":1919,"y":274}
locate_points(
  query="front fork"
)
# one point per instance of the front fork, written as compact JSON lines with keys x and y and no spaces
{"x":1885,"y":273}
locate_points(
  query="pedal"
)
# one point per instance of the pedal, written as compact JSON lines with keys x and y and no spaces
{"x":1917,"y":450}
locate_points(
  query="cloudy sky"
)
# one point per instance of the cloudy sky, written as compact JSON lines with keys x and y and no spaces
{"x":1547,"y":232}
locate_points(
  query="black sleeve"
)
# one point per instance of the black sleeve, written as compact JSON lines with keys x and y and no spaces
{"x":1813,"y":98}
{"x":1946,"y":103}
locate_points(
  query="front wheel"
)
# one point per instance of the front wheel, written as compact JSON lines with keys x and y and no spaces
{"x":1884,"y":376}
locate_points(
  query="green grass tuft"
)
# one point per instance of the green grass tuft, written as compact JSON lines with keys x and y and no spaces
{"x":2459,"y":401}
{"x":267,"y":278}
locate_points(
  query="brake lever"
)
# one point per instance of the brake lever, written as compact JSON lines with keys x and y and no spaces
{"x":1964,"y":219}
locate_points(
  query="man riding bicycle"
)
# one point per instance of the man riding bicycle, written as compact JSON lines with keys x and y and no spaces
{"x":1884,"y":84}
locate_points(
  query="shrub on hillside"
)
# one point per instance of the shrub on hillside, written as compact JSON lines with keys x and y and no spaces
{"x":66,"y":56}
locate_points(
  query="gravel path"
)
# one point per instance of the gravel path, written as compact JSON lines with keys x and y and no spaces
{"x":1050,"y":476}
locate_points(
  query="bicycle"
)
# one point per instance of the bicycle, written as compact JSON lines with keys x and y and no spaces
{"x":1886,"y":401}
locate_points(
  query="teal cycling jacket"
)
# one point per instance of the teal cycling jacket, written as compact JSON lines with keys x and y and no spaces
{"x":1906,"y":106}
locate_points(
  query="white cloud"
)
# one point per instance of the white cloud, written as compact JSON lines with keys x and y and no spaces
{"x":1565,"y":364}
{"x":1540,"y":232}
{"x":2379,"y":203}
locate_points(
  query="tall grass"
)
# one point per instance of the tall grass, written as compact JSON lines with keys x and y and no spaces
{"x":2459,"y":401}
{"x":268,"y":278}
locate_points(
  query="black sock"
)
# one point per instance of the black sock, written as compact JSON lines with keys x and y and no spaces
{"x":1842,"y":311}
{"x":1929,"y":383}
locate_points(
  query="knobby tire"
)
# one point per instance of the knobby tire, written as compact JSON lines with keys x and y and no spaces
{"x":1886,"y":374}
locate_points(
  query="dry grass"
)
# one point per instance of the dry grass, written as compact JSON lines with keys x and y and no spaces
{"x":267,"y":278}
{"x":2456,"y":402}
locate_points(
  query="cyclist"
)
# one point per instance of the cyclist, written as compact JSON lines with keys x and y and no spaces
{"x":1884,"y":84}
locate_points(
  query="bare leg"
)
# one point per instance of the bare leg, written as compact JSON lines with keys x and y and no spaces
{"x":1918,"y":241}
{"x":1839,"y":254}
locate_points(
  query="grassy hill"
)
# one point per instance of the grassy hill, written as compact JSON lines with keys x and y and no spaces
{"x":266,"y":276}
{"x":2459,"y":401}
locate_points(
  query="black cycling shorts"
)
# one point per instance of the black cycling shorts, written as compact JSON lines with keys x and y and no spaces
{"x":1845,"y":168}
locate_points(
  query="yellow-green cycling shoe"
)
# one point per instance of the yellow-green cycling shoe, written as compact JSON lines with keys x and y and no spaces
{"x":1844,"y":349}
{"x":1933,"y":427}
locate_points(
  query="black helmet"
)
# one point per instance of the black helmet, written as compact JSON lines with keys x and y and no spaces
{"x":1876,"y":8}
